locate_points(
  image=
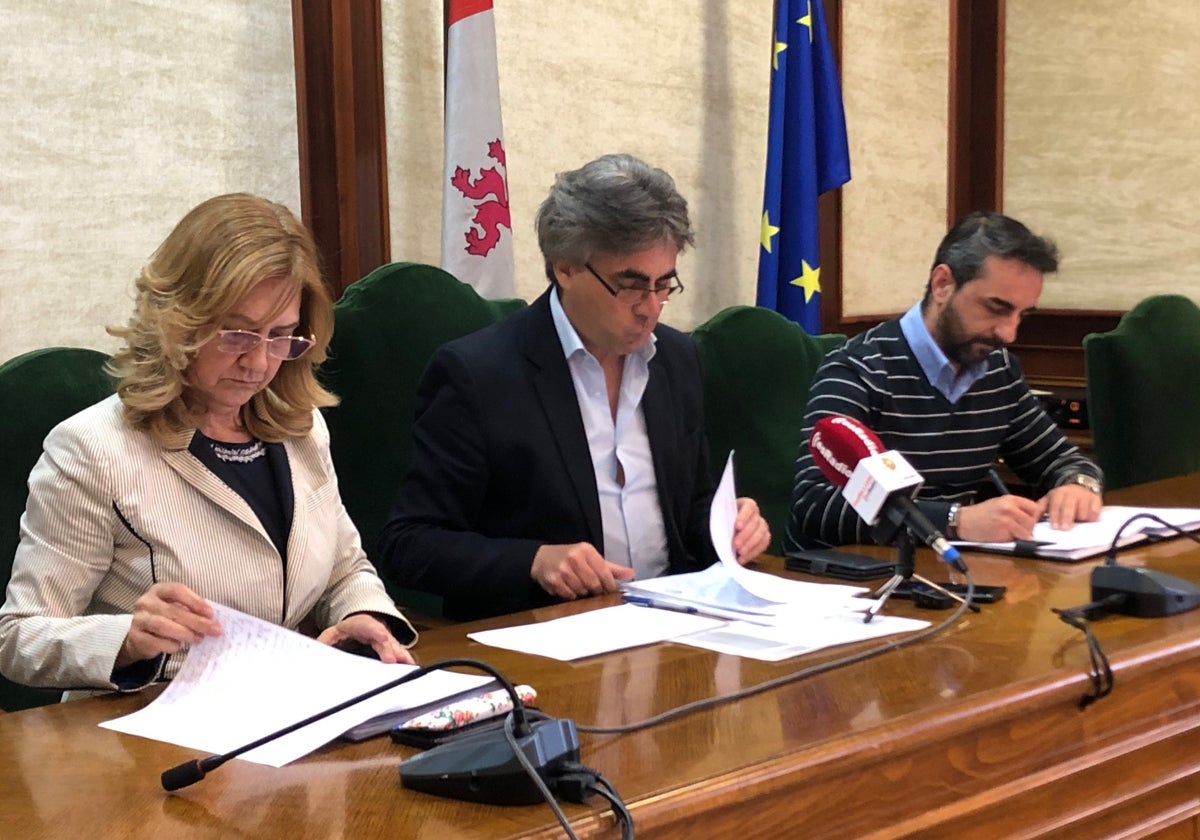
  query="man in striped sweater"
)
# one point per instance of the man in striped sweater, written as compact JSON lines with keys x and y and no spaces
{"x":939,"y":386}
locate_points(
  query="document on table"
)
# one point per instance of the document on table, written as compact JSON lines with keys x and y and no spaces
{"x":595,"y":632}
{"x":797,"y":635}
{"x":771,"y":617}
{"x":257,"y":678}
{"x":1088,"y":539}
{"x":730,"y":590}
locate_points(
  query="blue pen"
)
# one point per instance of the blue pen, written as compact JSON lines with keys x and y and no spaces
{"x":642,"y":601}
{"x":998,"y":482}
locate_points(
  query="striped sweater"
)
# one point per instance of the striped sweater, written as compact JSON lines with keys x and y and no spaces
{"x":875,"y":379}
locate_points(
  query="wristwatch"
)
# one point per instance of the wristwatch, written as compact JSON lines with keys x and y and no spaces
{"x":952,"y":521}
{"x":1085,"y":481}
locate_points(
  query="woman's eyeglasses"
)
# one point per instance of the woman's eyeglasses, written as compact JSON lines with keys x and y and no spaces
{"x":286,"y":347}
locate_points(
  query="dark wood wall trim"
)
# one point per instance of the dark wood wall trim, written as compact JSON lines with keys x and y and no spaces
{"x":829,"y":205}
{"x":976,"y":107}
{"x":343,"y":145}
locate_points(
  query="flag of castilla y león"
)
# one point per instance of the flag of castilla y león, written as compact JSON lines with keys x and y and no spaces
{"x":476,"y":226}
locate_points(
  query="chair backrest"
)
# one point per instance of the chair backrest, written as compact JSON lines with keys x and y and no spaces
{"x":1143,"y":392}
{"x":758,"y":367}
{"x":387,"y":325}
{"x":42,"y":388}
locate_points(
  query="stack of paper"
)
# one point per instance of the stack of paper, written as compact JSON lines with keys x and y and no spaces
{"x":1089,"y":539}
{"x":770,"y":617}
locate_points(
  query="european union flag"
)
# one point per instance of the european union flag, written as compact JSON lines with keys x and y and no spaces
{"x":806,"y":155}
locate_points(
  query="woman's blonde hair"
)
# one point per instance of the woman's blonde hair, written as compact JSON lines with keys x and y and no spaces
{"x":216,"y":254}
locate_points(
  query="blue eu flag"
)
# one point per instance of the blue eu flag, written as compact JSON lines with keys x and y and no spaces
{"x":806,"y":155}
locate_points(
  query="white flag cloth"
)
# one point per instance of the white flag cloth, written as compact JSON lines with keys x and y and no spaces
{"x":476,"y":228}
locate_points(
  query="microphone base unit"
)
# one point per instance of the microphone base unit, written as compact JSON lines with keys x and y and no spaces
{"x":1145,"y":593}
{"x":482,"y":767}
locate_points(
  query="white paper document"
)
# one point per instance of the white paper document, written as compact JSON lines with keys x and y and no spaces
{"x":786,"y":639}
{"x":595,"y":632}
{"x":257,"y":678}
{"x":769,"y":617}
{"x":1088,"y":539}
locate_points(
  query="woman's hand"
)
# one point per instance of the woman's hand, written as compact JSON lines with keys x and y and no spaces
{"x":166,"y":617}
{"x":368,"y":630}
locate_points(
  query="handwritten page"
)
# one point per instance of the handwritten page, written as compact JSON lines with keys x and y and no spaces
{"x":257,"y":678}
{"x":595,"y":632}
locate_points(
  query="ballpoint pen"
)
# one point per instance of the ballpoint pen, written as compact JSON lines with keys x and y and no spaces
{"x":642,"y":601}
{"x":998,"y":482}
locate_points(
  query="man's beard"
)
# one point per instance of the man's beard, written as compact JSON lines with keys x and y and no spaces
{"x":962,"y":349}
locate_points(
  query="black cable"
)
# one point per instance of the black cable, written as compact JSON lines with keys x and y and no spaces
{"x":1100,"y":671}
{"x":618,"y":808}
{"x":1111,"y":558}
{"x":862,"y":656}
{"x":536,"y":777}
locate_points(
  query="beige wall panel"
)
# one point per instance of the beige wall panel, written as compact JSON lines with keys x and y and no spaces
{"x":118,"y":117}
{"x":680,"y":83}
{"x":1102,"y":120}
{"x":895,"y":72}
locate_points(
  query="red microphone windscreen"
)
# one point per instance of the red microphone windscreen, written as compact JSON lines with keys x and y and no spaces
{"x":838,"y":443}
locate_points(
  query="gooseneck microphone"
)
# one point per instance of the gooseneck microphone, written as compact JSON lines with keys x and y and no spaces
{"x":190,"y":772}
{"x":876,"y":481}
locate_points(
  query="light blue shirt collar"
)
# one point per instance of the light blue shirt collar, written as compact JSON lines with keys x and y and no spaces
{"x":937,"y":368}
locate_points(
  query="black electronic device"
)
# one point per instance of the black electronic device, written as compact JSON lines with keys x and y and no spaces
{"x":981,"y":595}
{"x":482,"y":766}
{"x":835,"y":563}
{"x":1142,"y":592}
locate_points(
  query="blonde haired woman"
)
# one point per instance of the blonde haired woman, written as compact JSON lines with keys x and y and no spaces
{"x":207,"y":476}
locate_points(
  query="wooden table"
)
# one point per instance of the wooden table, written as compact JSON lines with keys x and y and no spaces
{"x":975,"y":733}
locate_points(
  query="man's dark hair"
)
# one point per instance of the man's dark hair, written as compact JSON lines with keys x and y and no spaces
{"x":984,"y":234}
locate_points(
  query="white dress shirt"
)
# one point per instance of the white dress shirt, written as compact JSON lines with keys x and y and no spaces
{"x":634,"y":534}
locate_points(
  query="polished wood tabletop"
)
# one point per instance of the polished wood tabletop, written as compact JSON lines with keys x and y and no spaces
{"x":976,"y":732}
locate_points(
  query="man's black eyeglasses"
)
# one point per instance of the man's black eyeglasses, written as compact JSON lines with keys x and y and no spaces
{"x":639,"y":290}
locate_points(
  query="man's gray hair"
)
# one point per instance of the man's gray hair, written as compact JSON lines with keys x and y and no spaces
{"x":616,"y":204}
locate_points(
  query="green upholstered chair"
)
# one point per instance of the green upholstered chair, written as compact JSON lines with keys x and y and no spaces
{"x":758,"y":367}
{"x":41,"y":388}
{"x":387,"y":325}
{"x":1143,"y":392}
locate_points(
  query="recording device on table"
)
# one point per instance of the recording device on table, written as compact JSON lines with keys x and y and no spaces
{"x":879,"y":484}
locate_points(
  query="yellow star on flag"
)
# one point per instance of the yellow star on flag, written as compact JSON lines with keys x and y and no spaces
{"x":780,"y":46}
{"x":807,"y":21}
{"x":809,"y":280}
{"x":768,"y":231}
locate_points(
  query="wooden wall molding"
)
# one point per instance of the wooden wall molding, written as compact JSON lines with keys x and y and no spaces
{"x":343,"y":147}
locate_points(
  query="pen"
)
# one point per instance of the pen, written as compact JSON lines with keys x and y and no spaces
{"x":998,"y":482}
{"x":642,"y":601}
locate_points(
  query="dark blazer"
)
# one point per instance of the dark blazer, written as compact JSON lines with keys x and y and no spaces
{"x":501,"y":465}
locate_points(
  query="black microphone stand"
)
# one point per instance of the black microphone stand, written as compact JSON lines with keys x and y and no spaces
{"x":905,"y":552}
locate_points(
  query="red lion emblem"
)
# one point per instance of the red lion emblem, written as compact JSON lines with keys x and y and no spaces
{"x":489,"y":214}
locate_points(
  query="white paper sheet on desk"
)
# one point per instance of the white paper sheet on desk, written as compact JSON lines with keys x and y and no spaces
{"x":715,"y":591}
{"x":730,"y":586}
{"x":797,"y":636}
{"x":257,"y":678}
{"x":595,"y":632}
{"x":1088,"y":539}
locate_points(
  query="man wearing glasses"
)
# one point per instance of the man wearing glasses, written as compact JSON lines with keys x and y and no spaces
{"x":562,"y":450}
